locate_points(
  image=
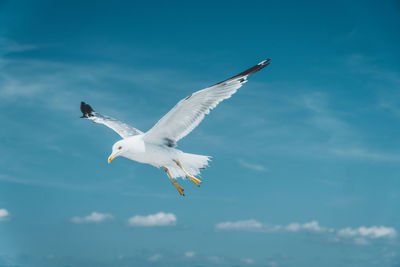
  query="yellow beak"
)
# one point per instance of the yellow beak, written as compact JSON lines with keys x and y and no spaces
{"x":113,"y":156}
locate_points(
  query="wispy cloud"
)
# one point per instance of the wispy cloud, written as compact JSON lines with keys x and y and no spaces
{"x":9,"y":46}
{"x":359,"y":235}
{"x":10,"y":179}
{"x":190,"y":254}
{"x":4,"y":215}
{"x":251,"y":166}
{"x":343,"y":140}
{"x":158,"y":219}
{"x":254,"y":225}
{"x":312,"y":226}
{"x":59,"y":86}
{"x":387,"y":80}
{"x":248,"y":260}
{"x":325,"y":120}
{"x":362,"y":153}
{"x":155,"y":257}
{"x":362,"y":64}
{"x":216,"y":259}
{"x":58,"y":83}
{"x":247,"y":225}
{"x":272,"y":264}
{"x":52,"y":184}
{"x":94,"y":217}
{"x":362,"y":234}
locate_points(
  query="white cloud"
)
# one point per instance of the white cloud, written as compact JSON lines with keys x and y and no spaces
{"x":9,"y":46}
{"x":158,"y":219}
{"x":251,"y":166}
{"x":190,"y":254}
{"x":94,"y":217}
{"x":248,"y":225}
{"x":368,"y":232}
{"x":4,"y":214}
{"x":253,"y":225}
{"x":293,"y":227}
{"x":360,"y":236}
{"x":312,"y":226}
{"x":155,"y":257}
{"x":361,"y":241}
{"x":343,"y":138}
{"x":216,"y":259}
{"x":362,"y":64}
{"x":248,"y":260}
{"x":365,"y":154}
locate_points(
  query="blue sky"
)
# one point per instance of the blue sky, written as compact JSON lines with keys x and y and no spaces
{"x":305,"y":156}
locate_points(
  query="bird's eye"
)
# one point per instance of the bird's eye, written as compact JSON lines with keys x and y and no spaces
{"x":120,"y":147}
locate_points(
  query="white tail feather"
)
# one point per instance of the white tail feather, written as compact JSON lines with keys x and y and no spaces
{"x":192,"y":163}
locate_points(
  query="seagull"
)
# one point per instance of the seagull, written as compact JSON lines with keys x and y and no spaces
{"x":157,"y":146}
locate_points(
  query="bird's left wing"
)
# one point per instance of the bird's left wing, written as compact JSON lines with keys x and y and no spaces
{"x":123,"y":129}
{"x":189,"y":112}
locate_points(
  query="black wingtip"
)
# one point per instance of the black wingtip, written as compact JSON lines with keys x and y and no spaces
{"x":265,"y":62}
{"x":86,"y":110}
{"x":257,"y":67}
{"x":254,"y":69}
{"x":243,"y":75}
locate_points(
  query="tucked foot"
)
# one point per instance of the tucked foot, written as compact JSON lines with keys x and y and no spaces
{"x":180,"y":189}
{"x":194,"y":180}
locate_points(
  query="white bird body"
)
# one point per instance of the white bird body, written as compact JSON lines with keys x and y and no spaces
{"x":136,"y":149}
{"x":157,"y":146}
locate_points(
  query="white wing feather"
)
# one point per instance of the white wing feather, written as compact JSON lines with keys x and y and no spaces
{"x":189,"y":112}
{"x":123,"y":129}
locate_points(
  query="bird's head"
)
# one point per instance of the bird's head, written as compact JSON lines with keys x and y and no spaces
{"x":118,"y":149}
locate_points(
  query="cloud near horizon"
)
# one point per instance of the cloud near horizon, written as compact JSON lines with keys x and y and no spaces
{"x":155,"y":257}
{"x":252,"y":166}
{"x":254,"y":225}
{"x":360,"y":235}
{"x":158,"y":219}
{"x":4,"y":214}
{"x":94,"y":217}
{"x":190,"y":254}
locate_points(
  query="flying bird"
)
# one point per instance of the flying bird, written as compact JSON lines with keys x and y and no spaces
{"x":157,"y":146}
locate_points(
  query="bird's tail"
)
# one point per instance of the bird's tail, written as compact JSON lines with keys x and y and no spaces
{"x":192,"y":163}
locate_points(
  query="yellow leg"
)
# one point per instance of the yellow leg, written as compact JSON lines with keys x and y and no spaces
{"x":180,"y":189}
{"x":192,"y":178}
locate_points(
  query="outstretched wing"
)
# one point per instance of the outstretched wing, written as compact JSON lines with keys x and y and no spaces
{"x":189,"y":112}
{"x":123,"y":129}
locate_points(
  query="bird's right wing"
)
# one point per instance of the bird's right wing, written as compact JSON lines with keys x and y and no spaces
{"x":123,"y":129}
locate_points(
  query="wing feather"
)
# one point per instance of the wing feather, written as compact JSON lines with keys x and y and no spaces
{"x":190,"y":111}
{"x":123,"y":129}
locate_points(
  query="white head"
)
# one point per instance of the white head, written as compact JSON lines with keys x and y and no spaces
{"x":118,"y":149}
{"x":127,"y":147}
